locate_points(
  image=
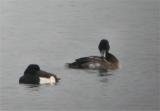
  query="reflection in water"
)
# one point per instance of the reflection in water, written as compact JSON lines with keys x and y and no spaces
{"x":105,"y":73}
{"x":104,"y":80}
{"x":35,"y":85}
{"x":90,"y":71}
{"x":30,"y":85}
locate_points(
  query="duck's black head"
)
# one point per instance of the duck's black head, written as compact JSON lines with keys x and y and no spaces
{"x":31,"y":69}
{"x":104,"y":47}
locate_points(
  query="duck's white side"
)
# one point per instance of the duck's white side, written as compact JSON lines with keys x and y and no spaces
{"x":50,"y":80}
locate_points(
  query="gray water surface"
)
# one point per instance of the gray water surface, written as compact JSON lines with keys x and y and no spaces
{"x":54,"y":32}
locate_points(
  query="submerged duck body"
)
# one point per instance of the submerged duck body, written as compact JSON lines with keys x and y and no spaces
{"x":105,"y":61}
{"x":33,"y":75}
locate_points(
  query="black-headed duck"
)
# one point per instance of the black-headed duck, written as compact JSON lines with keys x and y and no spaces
{"x":34,"y":75}
{"x":105,"y":61}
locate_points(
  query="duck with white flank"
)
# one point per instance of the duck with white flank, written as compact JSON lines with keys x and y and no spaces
{"x":33,"y":75}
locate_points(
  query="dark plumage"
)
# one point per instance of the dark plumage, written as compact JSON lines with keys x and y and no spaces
{"x":105,"y":61}
{"x":33,"y":75}
{"x":103,"y":47}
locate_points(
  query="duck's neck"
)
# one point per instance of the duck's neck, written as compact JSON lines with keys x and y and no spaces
{"x":103,"y":53}
{"x":107,"y":54}
{"x":110,"y":57}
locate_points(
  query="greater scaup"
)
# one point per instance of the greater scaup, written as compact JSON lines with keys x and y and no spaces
{"x":105,"y":61}
{"x":34,"y":75}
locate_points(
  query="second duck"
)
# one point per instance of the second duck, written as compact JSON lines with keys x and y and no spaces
{"x":106,"y":61}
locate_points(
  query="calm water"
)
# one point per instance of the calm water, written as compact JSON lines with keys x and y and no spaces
{"x":53,"y":32}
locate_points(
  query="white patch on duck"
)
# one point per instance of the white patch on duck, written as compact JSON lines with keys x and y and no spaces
{"x":94,"y":65}
{"x":50,"y":80}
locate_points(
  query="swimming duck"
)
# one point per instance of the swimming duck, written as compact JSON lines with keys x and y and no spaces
{"x":33,"y":75}
{"x":105,"y":61}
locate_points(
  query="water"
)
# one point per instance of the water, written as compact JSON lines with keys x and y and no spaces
{"x":53,"y":32}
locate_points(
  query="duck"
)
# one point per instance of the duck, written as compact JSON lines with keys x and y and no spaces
{"x":107,"y":61}
{"x":34,"y":75}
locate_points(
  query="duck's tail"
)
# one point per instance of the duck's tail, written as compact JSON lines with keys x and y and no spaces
{"x":72,"y":65}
